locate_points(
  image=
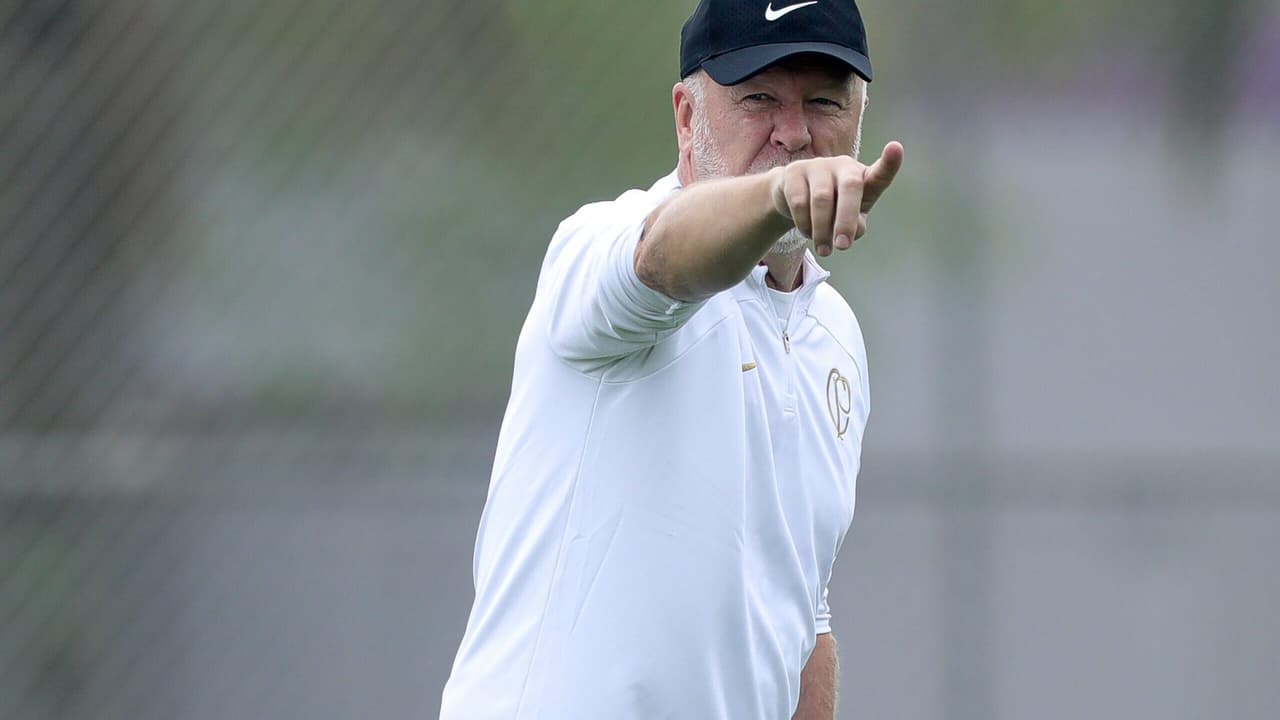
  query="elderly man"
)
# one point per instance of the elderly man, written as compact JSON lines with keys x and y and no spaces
{"x":676,"y":469}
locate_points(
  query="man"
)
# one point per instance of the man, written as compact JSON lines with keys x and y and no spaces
{"x":676,"y":469}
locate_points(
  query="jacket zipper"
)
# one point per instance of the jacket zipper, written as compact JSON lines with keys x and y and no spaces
{"x":771,"y":311}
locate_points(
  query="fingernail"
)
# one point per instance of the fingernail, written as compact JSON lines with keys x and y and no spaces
{"x":842,"y":242}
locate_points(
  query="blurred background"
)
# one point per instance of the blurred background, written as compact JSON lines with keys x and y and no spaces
{"x":263,"y":264}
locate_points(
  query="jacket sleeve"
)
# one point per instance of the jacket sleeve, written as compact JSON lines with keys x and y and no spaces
{"x":597,"y":307}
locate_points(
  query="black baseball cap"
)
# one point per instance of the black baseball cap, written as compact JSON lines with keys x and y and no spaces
{"x":735,"y":39}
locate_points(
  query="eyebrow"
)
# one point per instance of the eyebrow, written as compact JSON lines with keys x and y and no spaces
{"x":834,"y":87}
{"x":832,"y":82}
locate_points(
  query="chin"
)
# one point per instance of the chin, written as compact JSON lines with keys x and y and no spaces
{"x":791,"y":243}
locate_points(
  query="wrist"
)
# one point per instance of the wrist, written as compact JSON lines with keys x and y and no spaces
{"x":777,"y":192}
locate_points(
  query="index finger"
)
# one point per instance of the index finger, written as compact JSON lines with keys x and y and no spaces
{"x":880,"y":175}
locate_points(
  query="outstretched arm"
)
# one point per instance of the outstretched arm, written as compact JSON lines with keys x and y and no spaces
{"x":819,"y":681}
{"x":708,"y":237}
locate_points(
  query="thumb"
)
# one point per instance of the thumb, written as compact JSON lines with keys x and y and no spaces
{"x":880,"y":175}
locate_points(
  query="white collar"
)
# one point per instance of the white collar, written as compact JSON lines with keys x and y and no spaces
{"x":667,"y":183}
{"x":811,"y":275}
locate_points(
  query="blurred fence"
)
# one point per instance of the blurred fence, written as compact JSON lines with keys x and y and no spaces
{"x":262,"y":266}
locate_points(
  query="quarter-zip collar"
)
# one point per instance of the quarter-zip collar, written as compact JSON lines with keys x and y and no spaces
{"x":811,"y":276}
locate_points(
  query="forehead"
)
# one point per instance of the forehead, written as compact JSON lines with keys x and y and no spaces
{"x":808,"y":69}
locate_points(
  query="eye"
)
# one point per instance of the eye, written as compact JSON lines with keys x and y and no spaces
{"x":827,"y":102}
{"x":757,"y":97}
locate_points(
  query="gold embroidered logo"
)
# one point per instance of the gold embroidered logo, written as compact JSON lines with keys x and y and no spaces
{"x":839,"y":401}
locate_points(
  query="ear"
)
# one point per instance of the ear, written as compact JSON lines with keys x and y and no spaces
{"x":682,"y":104}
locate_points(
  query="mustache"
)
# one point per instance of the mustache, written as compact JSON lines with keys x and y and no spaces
{"x":761,"y":164}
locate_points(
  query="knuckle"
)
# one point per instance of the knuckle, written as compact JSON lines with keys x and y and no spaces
{"x":851,"y":181}
{"x":845,"y":163}
{"x":823,"y":196}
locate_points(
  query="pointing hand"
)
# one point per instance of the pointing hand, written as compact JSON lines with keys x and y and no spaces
{"x":828,"y":198}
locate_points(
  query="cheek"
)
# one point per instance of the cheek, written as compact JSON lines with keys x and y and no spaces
{"x":833,"y":136}
{"x":742,"y":139}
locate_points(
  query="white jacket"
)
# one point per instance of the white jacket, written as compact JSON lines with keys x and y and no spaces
{"x":671,"y":486}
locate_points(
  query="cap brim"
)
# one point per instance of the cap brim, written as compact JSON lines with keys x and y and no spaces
{"x":735,"y":66}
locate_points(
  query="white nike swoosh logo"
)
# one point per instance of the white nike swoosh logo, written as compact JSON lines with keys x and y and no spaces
{"x":770,"y":14}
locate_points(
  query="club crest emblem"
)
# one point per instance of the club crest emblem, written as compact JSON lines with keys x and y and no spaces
{"x":839,"y":401}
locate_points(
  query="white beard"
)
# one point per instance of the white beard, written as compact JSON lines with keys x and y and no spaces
{"x":708,"y":161}
{"x":792,"y":241}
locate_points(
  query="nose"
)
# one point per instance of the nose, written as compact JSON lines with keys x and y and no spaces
{"x":791,"y":129}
